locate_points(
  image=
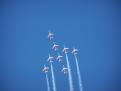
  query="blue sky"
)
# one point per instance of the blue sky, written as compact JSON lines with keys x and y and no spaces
{"x":91,"y":26}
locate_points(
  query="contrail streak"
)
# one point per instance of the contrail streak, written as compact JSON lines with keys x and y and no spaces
{"x":48,"y":85}
{"x":69,"y":75}
{"x":78,"y":73}
{"x":53,"y":78}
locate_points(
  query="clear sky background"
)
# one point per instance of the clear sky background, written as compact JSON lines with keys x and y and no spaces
{"x":94,"y":27}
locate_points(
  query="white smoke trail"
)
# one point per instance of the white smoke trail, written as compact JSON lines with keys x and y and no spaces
{"x":78,"y":73}
{"x":53,"y":78}
{"x":48,"y":85}
{"x":69,"y":75}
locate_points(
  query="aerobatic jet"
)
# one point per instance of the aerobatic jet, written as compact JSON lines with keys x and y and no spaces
{"x":59,"y":58}
{"x":55,"y":46}
{"x":45,"y":69}
{"x":65,"y":49}
{"x":50,"y":58}
{"x":64,"y":70}
{"x":50,"y":35}
{"x":74,"y":51}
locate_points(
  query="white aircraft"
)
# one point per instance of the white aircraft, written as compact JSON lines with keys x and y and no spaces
{"x":50,"y":35}
{"x":50,"y":58}
{"x":65,"y":49}
{"x":59,"y":58}
{"x":64,"y":70}
{"x":55,"y":46}
{"x":74,"y":51}
{"x":45,"y":69}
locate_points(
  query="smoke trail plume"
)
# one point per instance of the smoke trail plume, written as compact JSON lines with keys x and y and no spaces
{"x":48,"y":85}
{"x":69,"y":75}
{"x":78,"y":73}
{"x":53,"y":78}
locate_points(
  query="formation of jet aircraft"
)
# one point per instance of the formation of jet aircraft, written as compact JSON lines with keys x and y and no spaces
{"x":59,"y":58}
